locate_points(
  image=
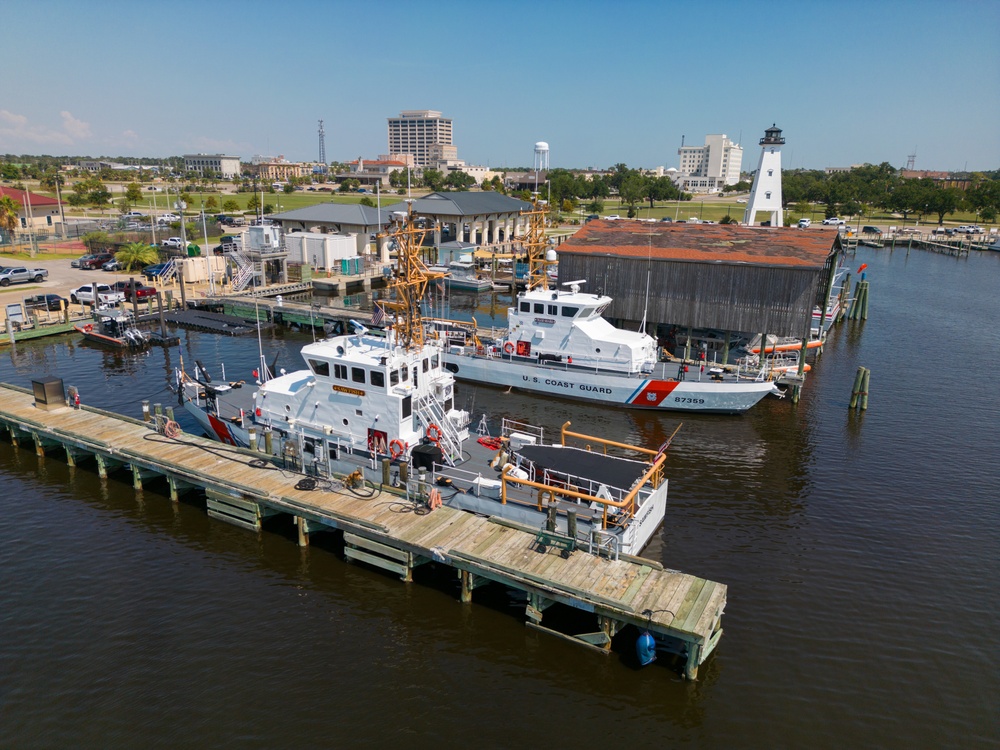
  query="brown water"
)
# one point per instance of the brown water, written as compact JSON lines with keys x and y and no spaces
{"x":861,"y":554}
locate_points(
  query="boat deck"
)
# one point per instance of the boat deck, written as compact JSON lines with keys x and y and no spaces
{"x":386,"y":530}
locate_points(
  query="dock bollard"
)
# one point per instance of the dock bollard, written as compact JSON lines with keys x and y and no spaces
{"x":859,"y":394}
{"x":145,"y":410}
{"x":268,"y":444}
{"x":386,"y":467}
{"x":252,"y":437}
{"x":170,"y":413}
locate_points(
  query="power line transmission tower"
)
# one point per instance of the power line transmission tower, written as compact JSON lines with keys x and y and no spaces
{"x":322,"y":144}
{"x":911,"y":160}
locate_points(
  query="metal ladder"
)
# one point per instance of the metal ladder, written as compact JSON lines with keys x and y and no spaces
{"x":430,"y":412}
{"x":245,"y":269}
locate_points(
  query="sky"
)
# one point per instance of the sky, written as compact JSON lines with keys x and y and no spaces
{"x":602,"y":83}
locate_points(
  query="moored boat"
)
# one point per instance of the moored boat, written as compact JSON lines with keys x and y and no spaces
{"x":114,"y":328}
{"x":558,"y":343}
{"x":366,"y":405}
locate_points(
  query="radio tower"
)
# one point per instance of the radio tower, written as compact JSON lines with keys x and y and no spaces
{"x":322,"y":144}
{"x":911,"y":160}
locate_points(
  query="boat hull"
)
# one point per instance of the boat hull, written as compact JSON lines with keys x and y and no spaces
{"x":634,"y":392}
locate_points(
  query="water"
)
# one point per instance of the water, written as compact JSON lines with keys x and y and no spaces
{"x":860,"y":552}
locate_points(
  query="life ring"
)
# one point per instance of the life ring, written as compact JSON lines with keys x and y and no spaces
{"x":434,"y":499}
{"x":433,"y":433}
{"x":88,"y":327}
{"x":508,"y":347}
{"x":396,"y":449}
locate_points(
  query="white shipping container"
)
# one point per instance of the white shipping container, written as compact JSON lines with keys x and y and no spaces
{"x":320,"y":251}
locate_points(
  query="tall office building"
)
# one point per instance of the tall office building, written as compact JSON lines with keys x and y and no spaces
{"x":711,"y":167}
{"x":424,"y":134}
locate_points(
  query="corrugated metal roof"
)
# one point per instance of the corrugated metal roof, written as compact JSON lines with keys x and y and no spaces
{"x":469,"y":204}
{"x":337,"y":213}
{"x":704,"y":243}
{"x":35,"y":198}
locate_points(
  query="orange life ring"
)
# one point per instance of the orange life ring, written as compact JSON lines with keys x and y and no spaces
{"x":396,"y":449}
{"x":433,"y":432}
{"x":434,"y":499}
{"x":88,"y":327}
{"x":508,"y":347}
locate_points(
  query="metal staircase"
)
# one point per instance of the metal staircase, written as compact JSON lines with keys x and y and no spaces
{"x":246,"y":269}
{"x":430,"y":411}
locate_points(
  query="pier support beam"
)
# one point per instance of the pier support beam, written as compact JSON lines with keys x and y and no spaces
{"x":43,"y":444}
{"x":74,"y":455}
{"x":178,"y":487}
{"x":470,"y":582}
{"x":106,"y":464}
{"x":693,"y":660}
{"x":139,"y":474}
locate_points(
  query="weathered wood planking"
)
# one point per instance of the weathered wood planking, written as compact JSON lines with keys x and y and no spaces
{"x":679,"y":606}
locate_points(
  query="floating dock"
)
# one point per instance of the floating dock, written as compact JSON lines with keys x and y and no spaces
{"x":243,"y":487}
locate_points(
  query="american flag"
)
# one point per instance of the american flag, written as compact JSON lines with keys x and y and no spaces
{"x":378,"y":315}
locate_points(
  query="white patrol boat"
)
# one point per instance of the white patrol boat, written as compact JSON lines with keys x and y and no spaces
{"x":366,"y":405}
{"x":558,"y":343}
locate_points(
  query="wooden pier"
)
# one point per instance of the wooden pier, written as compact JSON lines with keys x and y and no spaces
{"x":243,"y":488}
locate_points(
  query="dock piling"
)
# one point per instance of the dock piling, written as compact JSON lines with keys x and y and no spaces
{"x":859,"y":393}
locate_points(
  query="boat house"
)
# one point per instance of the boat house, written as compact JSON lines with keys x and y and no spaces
{"x":723,"y":277}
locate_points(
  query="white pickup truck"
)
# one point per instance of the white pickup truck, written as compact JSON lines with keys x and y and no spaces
{"x":102,"y":293}
{"x":20,"y":275}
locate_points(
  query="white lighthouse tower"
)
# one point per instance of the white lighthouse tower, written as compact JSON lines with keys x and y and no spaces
{"x":766,"y":192}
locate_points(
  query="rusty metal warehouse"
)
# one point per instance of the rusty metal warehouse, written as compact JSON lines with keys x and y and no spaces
{"x":726,"y":277}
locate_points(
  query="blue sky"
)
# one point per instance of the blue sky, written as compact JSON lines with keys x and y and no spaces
{"x":601,"y":82}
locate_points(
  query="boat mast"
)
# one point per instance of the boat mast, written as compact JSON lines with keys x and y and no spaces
{"x":411,"y":281}
{"x":535,"y":244}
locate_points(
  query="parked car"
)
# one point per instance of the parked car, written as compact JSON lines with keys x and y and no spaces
{"x":153,"y":271}
{"x":871,"y":230}
{"x":666,"y":218}
{"x":111,"y":265}
{"x":101,"y":293}
{"x":804,"y":223}
{"x":95,"y":261}
{"x":131,"y":288}
{"x":21,"y":275}
{"x":45,"y":302}
{"x":834,"y":221}
{"x":172,"y":242}
{"x":613,"y":217}
{"x":741,"y":200}
{"x":969,"y":229}
{"x":167,"y":218}
{"x":134,"y":215}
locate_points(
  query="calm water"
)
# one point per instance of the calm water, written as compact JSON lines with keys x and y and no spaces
{"x":861,"y":554}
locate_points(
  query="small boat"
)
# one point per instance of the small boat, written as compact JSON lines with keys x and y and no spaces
{"x":463,"y":275}
{"x":366,"y":405}
{"x":558,"y":343}
{"x":115,"y":328}
{"x":781,"y":344}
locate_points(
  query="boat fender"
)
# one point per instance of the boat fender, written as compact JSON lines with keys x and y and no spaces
{"x":645,"y":648}
{"x":508,"y":347}
{"x":396,"y":449}
{"x":433,"y":433}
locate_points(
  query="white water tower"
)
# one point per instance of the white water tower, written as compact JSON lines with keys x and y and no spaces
{"x":766,"y":192}
{"x":541,"y":160}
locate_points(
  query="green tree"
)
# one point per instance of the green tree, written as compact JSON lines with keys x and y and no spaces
{"x":268,"y":209}
{"x":459,"y":180}
{"x":632,"y":190}
{"x":367,"y":201}
{"x":595,"y":206}
{"x":944,"y":201}
{"x":230,"y":206}
{"x":253,"y":202}
{"x":433,"y":179}
{"x":9,"y":210}
{"x":289,"y":188}
{"x":133,"y":193}
{"x":137,"y":255}
{"x":99,"y":197}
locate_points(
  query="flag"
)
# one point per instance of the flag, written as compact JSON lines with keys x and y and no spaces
{"x":378,"y":315}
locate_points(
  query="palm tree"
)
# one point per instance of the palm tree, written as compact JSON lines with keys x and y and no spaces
{"x":137,"y":255}
{"x":9,"y":215}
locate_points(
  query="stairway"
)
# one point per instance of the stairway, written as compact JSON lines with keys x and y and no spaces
{"x":430,"y":411}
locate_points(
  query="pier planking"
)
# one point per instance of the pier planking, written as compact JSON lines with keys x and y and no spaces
{"x":683,"y":610}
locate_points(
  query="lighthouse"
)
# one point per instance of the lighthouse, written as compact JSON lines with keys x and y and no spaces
{"x":765,"y":196}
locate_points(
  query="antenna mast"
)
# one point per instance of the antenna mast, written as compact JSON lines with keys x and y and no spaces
{"x":911,"y":160}
{"x":322,"y":144}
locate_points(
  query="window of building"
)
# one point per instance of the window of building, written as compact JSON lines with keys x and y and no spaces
{"x":770,"y":173}
{"x":768,"y":195}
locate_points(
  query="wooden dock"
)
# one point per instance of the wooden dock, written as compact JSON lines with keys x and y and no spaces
{"x":243,"y":488}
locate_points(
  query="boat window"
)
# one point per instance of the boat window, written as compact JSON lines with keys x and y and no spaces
{"x":378,"y":378}
{"x":525,"y":307}
{"x":539,"y":307}
{"x":319,"y":367}
{"x":427,"y":365}
{"x":407,"y":406}
{"x":340,"y":372}
{"x":394,"y":377}
{"x":553,"y":310}
{"x":406,"y":372}
{"x":358,"y":374}
{"x":448,"y":405}
{"x":570,"y":312}
{"x":437,"y":361}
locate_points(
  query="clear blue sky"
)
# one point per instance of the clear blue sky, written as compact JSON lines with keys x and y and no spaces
{"x":601,"y":82}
